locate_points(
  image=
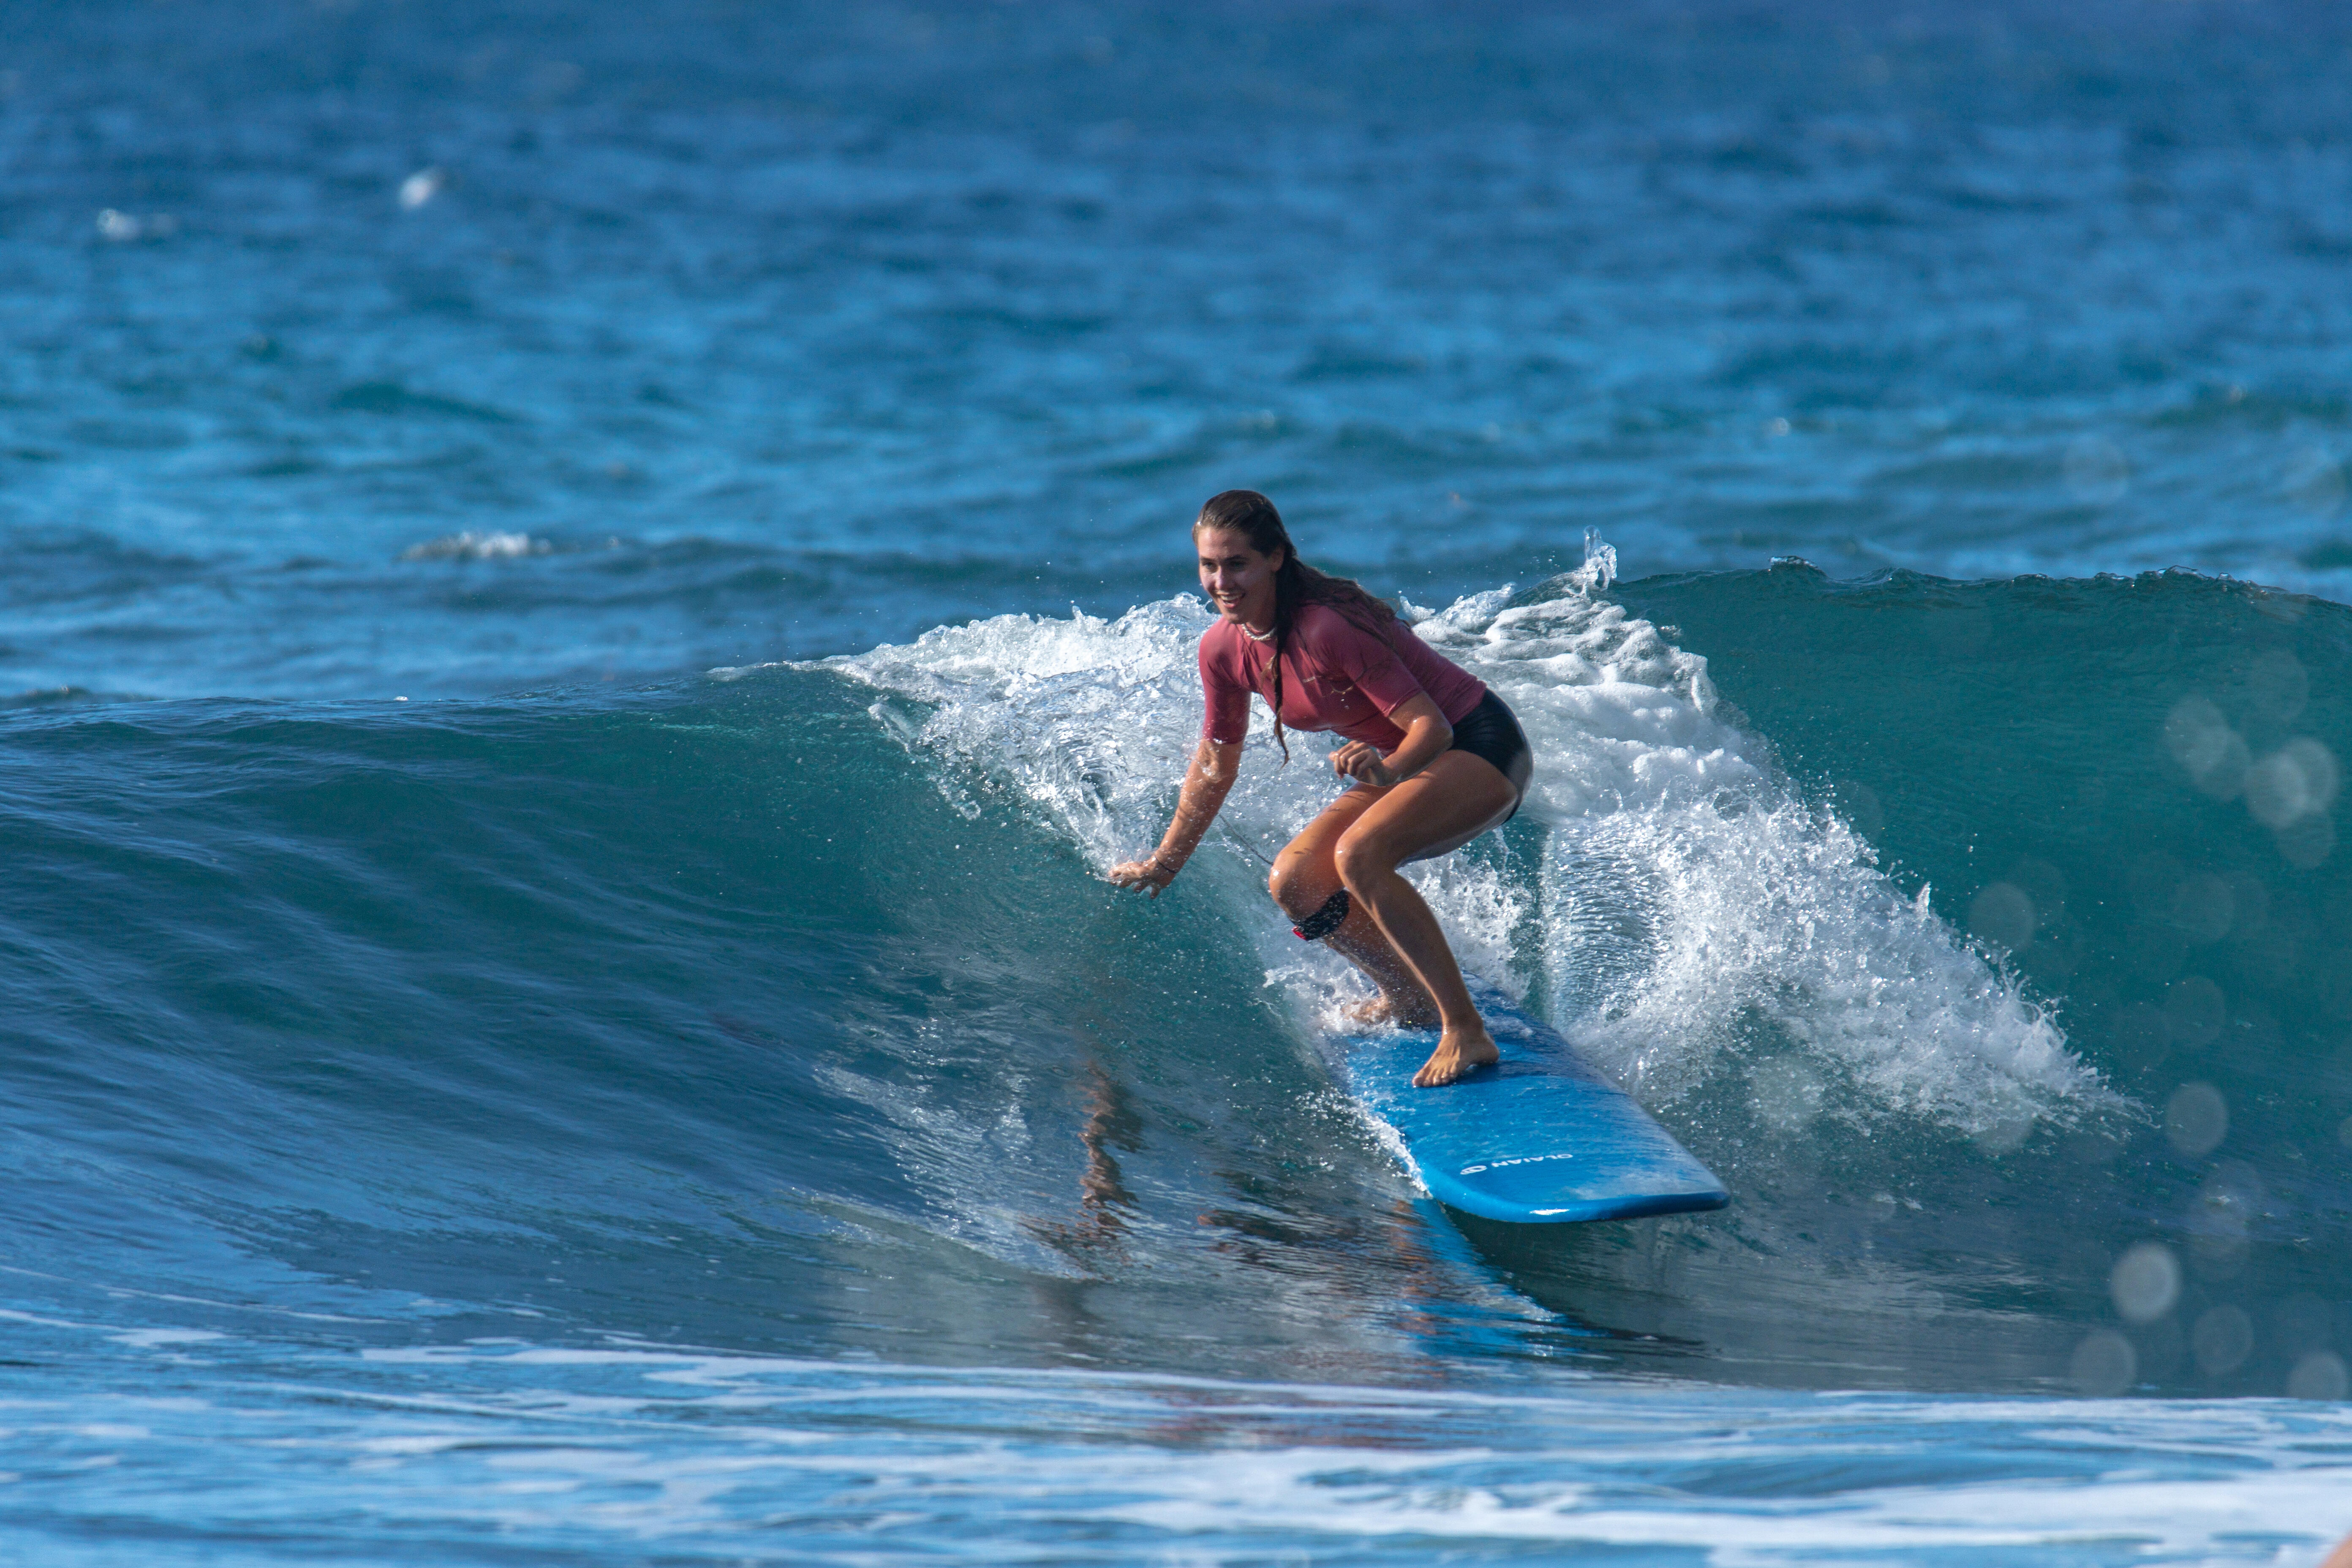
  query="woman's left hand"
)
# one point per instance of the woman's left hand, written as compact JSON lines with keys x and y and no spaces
{"x":1362,"y":760}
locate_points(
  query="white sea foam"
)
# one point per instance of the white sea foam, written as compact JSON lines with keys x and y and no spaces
{"x":1690,"y":918}
{"x":473,"y":545}
{"x":698,"y":1456}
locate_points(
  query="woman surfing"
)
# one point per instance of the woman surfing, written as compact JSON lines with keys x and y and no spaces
{"x":1437,"y":758}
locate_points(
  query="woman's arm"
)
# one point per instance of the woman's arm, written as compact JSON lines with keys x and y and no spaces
{"x":1427,"y":736}
{"x":1207,"y":783}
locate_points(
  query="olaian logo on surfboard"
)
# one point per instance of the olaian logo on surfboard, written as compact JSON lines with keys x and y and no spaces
{"x":1522,"y":1160}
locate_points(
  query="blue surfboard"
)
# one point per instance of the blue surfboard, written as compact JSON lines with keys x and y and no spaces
{"x":1540,"y":1138}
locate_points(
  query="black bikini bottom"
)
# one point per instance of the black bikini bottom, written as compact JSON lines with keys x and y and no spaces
{"x":1491,"y":731}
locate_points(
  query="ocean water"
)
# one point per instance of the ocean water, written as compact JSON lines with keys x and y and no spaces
{"x":587,"y":591}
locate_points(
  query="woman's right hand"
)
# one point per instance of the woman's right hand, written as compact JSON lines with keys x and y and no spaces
{"x":1154,"y":874}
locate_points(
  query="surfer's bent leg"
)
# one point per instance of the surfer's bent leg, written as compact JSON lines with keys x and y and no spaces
{"x":1324,"y":920}
{"x":1304,"y":877}
{"x":1443,"y":806}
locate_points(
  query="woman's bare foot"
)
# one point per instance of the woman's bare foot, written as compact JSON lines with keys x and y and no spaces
{"x":1458,"y":1051}
{"x":1405,"y":1012}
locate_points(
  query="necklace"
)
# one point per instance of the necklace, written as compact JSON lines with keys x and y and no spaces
{"x":1266,"y":636}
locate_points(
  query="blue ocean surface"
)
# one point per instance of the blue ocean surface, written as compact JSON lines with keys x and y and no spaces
{"x":587,"y":591}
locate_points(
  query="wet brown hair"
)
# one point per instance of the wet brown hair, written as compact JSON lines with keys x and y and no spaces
{"x":1295,"y":584}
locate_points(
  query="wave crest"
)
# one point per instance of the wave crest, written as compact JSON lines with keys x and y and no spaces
{"x":1665,"y":897}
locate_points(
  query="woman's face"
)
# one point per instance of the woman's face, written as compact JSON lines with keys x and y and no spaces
{"x":1237,"y":579}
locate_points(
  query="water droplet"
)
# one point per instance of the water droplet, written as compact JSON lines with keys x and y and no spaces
{"x":2004,"y":1135}
{"x":2004,"y":916}
{"x":2096,"y":471}
{"x":2145,"y":1282}
{"x":2196,"y":1119}
{"x":2220,"y":1217}
{"x":1788,"y":1093}
{"x":1863,"y":811}
{"x":2201,"y":740}
{"x":2298,"y":780}
{"x":2277,"y":685}
{"x":2222,"y":1341}
{"x":2103,"y":1364}
{"x":2320,"y":1375}
{"x":421,"y":187}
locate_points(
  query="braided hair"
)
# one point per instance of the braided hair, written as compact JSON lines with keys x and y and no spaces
{"x":1295,"y":584}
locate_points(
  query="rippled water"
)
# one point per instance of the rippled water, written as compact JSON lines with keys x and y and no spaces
{"x":587,"y":593}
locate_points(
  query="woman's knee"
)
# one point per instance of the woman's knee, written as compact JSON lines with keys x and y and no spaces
{"x":1294,"y":886}
{"x":1360,"y":861}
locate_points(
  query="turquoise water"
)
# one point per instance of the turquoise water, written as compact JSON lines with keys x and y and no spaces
{"x":589,"y":594}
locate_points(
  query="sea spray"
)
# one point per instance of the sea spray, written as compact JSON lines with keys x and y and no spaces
{"x":1657,"y":831}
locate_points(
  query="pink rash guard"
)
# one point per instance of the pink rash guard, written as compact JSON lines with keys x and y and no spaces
{"x":1335,"y":676}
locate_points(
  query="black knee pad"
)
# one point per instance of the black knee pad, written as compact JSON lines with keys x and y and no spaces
{"x":1324,"y":920}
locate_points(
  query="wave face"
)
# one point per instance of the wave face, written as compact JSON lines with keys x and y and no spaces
{"x":785,"y":1011}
